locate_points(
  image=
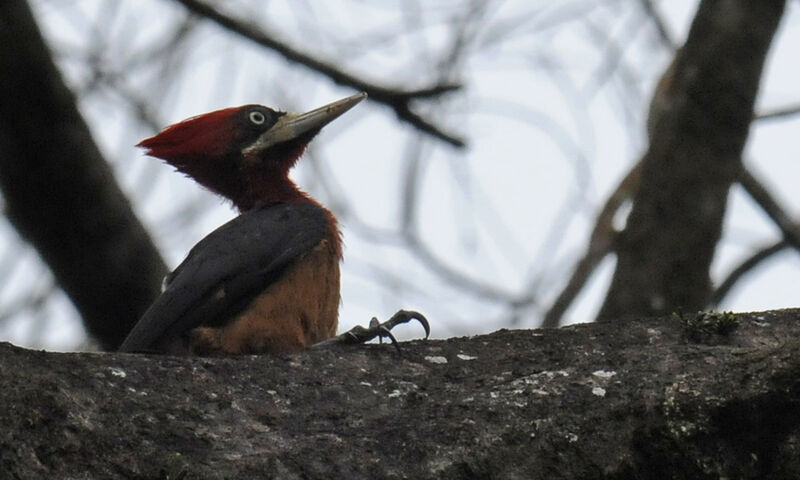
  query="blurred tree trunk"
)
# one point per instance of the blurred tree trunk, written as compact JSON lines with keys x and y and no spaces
{"x":61,"y":195}
{"x":666,"y":249}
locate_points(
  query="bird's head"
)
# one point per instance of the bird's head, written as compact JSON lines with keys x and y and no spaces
{"x":244,"y":153}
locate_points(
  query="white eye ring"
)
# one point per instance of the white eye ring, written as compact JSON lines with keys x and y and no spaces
{"x":257,"y":117}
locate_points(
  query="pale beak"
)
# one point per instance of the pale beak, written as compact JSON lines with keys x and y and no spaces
{"x":292,"y":125}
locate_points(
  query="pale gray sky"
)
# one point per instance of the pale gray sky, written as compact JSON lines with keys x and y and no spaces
{"x":553,"y":115}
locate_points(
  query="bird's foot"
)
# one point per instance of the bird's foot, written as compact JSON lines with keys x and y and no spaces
{"x":376,"y":329}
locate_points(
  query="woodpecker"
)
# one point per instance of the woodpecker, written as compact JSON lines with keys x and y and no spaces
{"x":268,"y":280}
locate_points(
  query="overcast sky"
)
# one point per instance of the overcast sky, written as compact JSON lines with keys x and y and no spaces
{"x":553,"y":115}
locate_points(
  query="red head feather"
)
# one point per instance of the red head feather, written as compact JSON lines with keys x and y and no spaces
{"x":244,"y":153}
{"x":204,"y":135}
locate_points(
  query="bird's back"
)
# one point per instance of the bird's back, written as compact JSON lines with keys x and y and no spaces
{"x":268,"y":280}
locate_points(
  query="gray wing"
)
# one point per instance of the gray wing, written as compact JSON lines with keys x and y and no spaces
{"x":243,"y":257}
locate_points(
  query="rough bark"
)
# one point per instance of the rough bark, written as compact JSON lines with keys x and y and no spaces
{"x":709,"y":396}
{"x":60,"y":193}
{"x":666,"y":249}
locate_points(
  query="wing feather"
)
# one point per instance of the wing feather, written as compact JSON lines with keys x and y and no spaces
{"x":227,"y":269}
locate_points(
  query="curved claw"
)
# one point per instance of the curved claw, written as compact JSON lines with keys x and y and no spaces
{"x":359,"y":334}
{"x":405,"y":316}
{"x":385,"y":332}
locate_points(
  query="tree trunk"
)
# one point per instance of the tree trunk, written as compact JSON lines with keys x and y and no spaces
{"x":61,"y":195}
{"x":665,"y":252}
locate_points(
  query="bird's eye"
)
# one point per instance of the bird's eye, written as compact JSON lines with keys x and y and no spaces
{"x":257,"y":117}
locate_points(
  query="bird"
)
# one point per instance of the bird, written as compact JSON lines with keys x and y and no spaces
{"x":267,"y":281}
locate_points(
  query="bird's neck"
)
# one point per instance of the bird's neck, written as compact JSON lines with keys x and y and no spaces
{"x":270,"y":190}
{"x":265,"y":190}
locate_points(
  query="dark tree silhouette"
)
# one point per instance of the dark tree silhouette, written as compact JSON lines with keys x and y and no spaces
{"x":664,"y":254}
{"x":60,"y":193}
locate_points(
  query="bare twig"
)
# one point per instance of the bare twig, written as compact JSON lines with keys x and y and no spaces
{"x":410,"y":195}
{"x":762,"y":196}
{"x":407,"y":237}
{"x":460,"y":280}
{"x":397,"y":100}
{"x":660,"y":24}
{"x":779,"y":114}
{"x":789,"y":229}
{"x":601,"y":243}
{"x":744,"y":268}
{"x":33,"y":302}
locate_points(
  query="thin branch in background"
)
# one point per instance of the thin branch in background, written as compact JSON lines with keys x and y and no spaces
{"x":398,"y":100}
{"x":744,"y":268}
{"x":32,"y":304}
{"x":409,"y":239}
{"x":460,"y":280}
{"x":11,"y":258}
{"x":172,"y":53}
{"x":661,"y":26}
{"x":601,"y":243}
{"x":414,"y":245}
{"x":779,"y":114}
{"x":789,"y":229}
{"x":764,"y":199}
{"x":339,"y":202}
{"x":464,"y":32}
{"x":480,"y":210}
{"x":613,"y":66}
{"x":390,"y":281}
{"x":410,"y":188}
{"x":376,"y":273}
{"x":186,"y":213}
{"x":612,"y":62}
{"x":112,"y":78}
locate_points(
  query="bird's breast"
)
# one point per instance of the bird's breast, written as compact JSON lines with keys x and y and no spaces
{"x":293,"y":313}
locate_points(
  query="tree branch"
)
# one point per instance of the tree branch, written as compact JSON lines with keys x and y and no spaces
{"x":789,"y":229}
{"x":744,"y":268}
{"x":696,"y":397}
{"x":661,"y":26}
{"x":601,"y":243}
{"x":780,"y":113}
{"x":398,"y":100}
{"x":757,"y":191}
